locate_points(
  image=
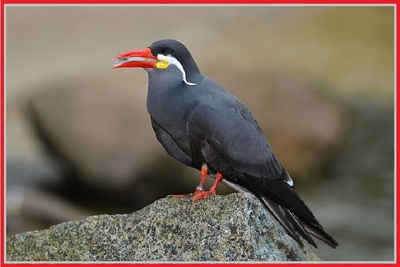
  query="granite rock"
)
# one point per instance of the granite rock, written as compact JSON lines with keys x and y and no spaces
{"x":235,"y":227}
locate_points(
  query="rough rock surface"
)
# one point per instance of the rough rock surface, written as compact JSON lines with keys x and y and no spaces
{"x":221,"y":228}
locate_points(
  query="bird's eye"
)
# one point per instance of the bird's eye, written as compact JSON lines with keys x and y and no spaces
{"x":167,"y":52}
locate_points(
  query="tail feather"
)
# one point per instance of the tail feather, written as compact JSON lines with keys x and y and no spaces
{"x":322,"y":235}
{"x":288,"y":220}
{"x":286,"y":206}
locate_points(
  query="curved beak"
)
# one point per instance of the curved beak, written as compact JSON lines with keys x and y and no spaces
{"x":141,"y":58}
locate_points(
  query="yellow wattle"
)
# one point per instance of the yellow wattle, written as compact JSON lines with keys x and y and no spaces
{"x":163,"y":64}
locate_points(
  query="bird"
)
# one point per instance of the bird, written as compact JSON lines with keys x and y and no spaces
{"x":205,"y":126}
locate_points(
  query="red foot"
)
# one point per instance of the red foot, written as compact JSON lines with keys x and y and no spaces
{"x":199,"y":194}
{"x":182,"y":196}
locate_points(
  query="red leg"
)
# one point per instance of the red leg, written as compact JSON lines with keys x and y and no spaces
{"x":218,"y":179}
{"x":204,"y":173}
{"x":211,"y":192}
{"x":200,"y":187}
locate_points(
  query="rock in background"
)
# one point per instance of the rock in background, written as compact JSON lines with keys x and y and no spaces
{"x":221,"y":228}
{"x":319,"y":80}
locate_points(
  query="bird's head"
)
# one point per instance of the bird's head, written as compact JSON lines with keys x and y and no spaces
{"x":160,"y":55}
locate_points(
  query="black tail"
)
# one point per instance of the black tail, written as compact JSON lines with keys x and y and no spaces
{"x":286,"y":206}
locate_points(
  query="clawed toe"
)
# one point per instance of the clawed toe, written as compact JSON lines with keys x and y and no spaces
{"x":198,"y":194}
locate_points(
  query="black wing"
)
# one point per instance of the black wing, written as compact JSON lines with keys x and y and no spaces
{"x":228,"y":135}
{"x":231,"y":142}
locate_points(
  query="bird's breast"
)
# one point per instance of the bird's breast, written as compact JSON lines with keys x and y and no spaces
{"x":170,"y":109}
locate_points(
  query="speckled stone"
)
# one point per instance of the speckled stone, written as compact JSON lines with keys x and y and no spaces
{"x":221,"y":228}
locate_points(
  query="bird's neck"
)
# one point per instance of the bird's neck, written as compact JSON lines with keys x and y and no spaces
{"x":193,"y":73}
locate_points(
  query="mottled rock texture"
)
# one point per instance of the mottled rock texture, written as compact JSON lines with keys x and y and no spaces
{"x":221,"y":228}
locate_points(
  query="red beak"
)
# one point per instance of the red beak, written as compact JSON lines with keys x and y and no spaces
{"x":142,"y":58}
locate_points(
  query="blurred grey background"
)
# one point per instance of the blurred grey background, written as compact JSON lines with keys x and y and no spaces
{"x":319,"y":79}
